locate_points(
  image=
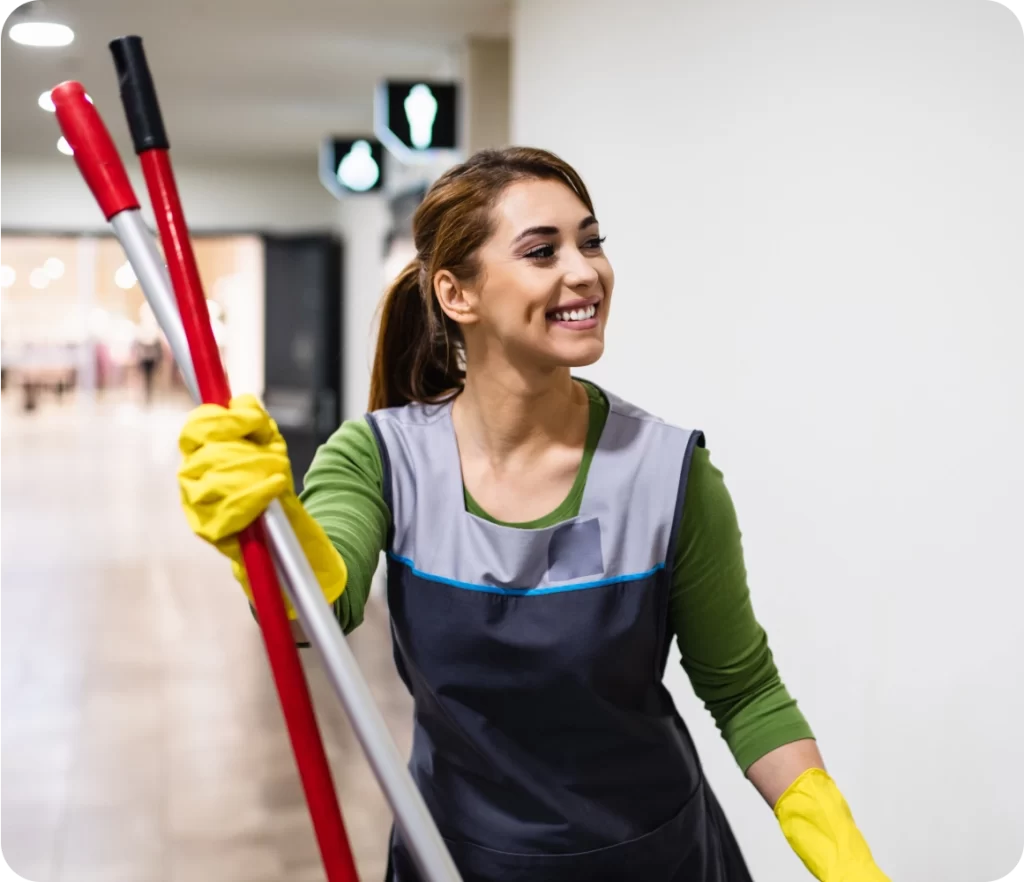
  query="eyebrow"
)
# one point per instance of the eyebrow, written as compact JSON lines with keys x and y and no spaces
{"x":588,"y":221}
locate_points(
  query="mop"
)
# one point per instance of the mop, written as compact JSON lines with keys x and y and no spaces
{"x":269,"y":546}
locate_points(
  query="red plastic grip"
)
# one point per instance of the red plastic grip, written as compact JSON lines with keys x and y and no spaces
{"x":94,"y":149}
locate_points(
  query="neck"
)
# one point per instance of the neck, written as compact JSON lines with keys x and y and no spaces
{"x":506,"y":416}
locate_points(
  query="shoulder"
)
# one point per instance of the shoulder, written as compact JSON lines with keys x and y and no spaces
{"x":408,"y":415}
{"x":627,"y":413}
{"x":351,"y":449}
{"x":709,"y":521}
{"x":352,"y":435}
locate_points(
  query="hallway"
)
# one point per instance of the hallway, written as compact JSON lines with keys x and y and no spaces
{"x":141,"y":737}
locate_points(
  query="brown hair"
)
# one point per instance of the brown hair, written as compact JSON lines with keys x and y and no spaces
{"x":419,"y":349}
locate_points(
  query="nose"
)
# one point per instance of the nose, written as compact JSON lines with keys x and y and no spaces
{"x":580,"y":272}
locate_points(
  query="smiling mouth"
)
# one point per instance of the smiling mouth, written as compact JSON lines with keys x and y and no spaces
{"x":579,"y":314}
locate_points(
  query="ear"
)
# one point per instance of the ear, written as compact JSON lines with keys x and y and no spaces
{"x":456,"y":300}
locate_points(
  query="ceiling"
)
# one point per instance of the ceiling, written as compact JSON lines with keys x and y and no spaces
{"x":239,"y":79}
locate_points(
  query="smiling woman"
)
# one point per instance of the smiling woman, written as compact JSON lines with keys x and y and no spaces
{"x":546,"y":542}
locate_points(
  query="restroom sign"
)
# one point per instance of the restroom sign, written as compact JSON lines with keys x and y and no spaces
{"x":417,"y":119}
{"x":352,"y":165}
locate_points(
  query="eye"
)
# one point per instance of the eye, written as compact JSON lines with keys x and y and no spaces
{"x":541,"y":252}
{"x":595,"y":243}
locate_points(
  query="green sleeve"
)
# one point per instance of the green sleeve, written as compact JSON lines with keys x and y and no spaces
{"x":343,"y":492}
{"x":724,"y":650}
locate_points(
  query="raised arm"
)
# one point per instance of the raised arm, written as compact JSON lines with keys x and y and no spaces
{"x":234,"y":462}
{"x":343,"y":492}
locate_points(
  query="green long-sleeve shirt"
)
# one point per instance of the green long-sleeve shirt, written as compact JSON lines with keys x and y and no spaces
{"x":724,"y":650}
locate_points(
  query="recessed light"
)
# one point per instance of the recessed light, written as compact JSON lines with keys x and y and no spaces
{"x":41,"y":33}
{"x":53,"y":267}
{"x":38,"y":278}
{"x":64,"y":147}
{"x":7,"y":276}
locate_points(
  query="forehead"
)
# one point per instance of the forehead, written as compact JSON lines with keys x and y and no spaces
{"x":538,"y":203}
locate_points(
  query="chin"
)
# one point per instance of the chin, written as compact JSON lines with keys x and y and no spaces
{"x":582,"y":356}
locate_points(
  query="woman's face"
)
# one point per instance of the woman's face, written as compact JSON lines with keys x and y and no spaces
{"x":544,"y":287}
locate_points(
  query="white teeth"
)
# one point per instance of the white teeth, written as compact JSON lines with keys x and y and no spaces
{"x":575,"y":315}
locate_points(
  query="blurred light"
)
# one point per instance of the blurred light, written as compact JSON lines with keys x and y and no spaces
{"x":38,"y":278}
{"x":99,"y":321}
{"x":46,"y":101}
{"x":220,"y":331}
{"x":421,"y":112}
{"x":125,"y":276}
{"x":41,"y":33}
{"x":7,"y":276}
{"x":64,"y":147}
{"x":358,"y":170}
{"x":54,"y":267}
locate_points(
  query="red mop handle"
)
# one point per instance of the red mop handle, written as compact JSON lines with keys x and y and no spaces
{"x":94,"y":151}
{"x":101,"y":167}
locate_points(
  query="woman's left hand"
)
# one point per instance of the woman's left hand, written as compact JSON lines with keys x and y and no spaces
{"x":819,"y":827}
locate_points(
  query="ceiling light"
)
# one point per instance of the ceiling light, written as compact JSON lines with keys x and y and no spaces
{"x":44,"y":34}
{"x":64,"y":147}
{"x":38,"y":279}
{"x":54,"y":267}
{"x":46,"y":101}
{"x":41,"y":33}
{"x":7,"y":276}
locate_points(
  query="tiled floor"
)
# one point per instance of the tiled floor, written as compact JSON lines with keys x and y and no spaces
{"x":141,"y":737}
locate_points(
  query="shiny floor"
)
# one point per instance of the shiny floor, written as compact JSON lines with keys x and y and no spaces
{"x":140,"y":735}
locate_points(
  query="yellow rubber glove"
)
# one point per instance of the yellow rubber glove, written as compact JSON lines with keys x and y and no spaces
{"x":820,"y":829}
{"x":234,"y":463}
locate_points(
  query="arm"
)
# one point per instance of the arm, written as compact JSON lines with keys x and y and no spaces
{"x":726,"y":656}
{"x":773,"y":773}
{"x":235,"y":462}
{"x":724,"y":649}
{"x":343,"y":492}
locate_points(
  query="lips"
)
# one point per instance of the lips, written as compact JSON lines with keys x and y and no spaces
{"x":573,"y":315}
{"x":578,"y":310}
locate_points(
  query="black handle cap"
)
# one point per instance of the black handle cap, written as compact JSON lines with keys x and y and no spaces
{"x":138,"y":95}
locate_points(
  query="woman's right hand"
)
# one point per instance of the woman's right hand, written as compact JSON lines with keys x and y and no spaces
{"x":234,"y":463}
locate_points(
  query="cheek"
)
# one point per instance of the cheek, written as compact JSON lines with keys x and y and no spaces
{"x":515,"y":295}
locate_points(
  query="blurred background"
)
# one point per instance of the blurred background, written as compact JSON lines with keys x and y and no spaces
{"x":815,"y":214}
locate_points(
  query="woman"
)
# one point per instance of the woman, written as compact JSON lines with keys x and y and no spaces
{"x":545,"y":541}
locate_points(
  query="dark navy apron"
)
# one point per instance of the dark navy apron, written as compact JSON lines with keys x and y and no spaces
{"x":544,"y":743}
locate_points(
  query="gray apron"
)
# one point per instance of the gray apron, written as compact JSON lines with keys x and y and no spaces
{"x":544,"y":744}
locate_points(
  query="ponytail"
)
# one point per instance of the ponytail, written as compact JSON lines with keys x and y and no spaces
{"x":418,"y":346}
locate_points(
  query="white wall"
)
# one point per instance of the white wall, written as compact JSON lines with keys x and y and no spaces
{"x":365,"y":221}
{"x":486,"y":80}
{"x":50,"y":194}
{"x":815,"y":215}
